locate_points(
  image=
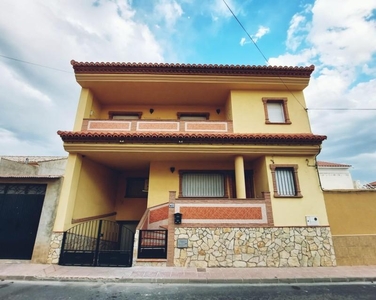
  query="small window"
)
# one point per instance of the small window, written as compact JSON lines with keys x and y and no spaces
{"x":276,"y":111}
{"x":137,"y":188}
{"x":285,"y":180}
{"x":203,"y":185}
{"x":118,"y":115}
{"x":193,"y":116}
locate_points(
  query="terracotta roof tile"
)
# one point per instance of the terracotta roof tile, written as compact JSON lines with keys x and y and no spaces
{"x":31,"y":176}
{"x":330,"y":164}
{"x":32,"y":159}
{"x":190,"y":69}
{"x":201,"y":138}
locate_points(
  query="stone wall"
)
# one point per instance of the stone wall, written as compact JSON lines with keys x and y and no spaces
{"x":355,"y":250}
{"x":255,"y":247}
{"x":55,"y":248}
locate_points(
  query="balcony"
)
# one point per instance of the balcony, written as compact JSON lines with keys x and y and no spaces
{"x":178,"y":126}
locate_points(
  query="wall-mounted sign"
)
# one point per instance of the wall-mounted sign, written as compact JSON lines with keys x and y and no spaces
{"x":182,"y":243}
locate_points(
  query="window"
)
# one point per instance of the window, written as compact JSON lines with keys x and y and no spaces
{"x":202,"y":184}
{"x":121,"y":115}
{"x":137,"y":188}
{"x":276,"y":111}
{"x":285,"y":180}
{"x":193,"y":116}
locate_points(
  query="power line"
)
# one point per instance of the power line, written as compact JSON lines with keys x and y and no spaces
{"x":34,"y":64}
{"x":341,"y":109}
{"x":266,"y":60}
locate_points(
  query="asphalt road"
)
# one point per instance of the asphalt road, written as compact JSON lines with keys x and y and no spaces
{"x":40,"y":290}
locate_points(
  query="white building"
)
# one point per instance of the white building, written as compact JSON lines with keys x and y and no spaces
{"x":335,"y":176}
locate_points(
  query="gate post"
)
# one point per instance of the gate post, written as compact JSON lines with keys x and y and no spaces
{"x":61,"y":258}
{"x":97,"y":244}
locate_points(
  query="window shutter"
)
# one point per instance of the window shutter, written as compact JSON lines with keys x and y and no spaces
{"x":285,"y":181}
{"x":203,"y":185}
{"x":275,"y":112}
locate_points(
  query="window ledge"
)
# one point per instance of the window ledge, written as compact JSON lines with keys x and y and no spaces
{"x":279,"y":196}
{"x":277,"y":123}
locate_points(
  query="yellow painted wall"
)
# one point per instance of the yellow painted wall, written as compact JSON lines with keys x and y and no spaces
{"x":249,"y":116}
{"x":129,"y":209}
{"x":260,"y":177}
{"x":64,"y":214}
{"x":351,"y":212}
{"x":164,"y":112}
{"x":83,"y":109}
{"x":162,"y":181}
{"x":292,"y":211}
{"x":96,"y":109}
{"x":97,"y":190}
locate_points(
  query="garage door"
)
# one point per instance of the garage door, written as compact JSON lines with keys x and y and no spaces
{"x":20,"y":209}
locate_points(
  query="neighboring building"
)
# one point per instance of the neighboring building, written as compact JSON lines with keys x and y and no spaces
{"x":29,"y":192}
{"x":214,"y":164}
{"x":335,"y":176}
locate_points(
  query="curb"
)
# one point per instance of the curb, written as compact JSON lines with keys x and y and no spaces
{"x":195,"y":280}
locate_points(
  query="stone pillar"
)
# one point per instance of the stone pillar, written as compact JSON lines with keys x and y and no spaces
{"x":240,"y":177}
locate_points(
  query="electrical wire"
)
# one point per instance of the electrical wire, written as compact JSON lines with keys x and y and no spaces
{"x":34,"y":64}
{"x":341,"y":109}
{"x":266,"y":60}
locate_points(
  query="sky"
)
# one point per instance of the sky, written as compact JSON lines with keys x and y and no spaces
{"x":38,"y":39}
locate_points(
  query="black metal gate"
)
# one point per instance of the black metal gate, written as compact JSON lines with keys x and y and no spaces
{"x":97,"y":243}
{"x":152,"y":244}
{"x":20,"y":210}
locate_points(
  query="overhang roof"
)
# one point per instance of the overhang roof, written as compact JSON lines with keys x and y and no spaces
{"x":198,"y":138}
{"x":190,"y":69}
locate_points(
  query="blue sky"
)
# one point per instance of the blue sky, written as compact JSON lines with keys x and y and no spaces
{"x":337,"y":36}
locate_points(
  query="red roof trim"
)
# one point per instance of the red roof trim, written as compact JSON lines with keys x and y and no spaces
{"x":330,"y":164}
{"x":126,"y":137}
{"x":189,"y":69}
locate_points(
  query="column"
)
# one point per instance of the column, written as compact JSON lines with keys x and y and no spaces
{"x":240,"y":177}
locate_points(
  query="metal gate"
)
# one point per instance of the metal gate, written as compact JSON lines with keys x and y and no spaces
{"x":97,"y":243}
{"x":20,"y":210}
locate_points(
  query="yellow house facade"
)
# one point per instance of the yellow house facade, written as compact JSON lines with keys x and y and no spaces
{"x":215,"y":163}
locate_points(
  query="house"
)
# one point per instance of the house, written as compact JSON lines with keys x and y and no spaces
{"x":335,"y":176}
{"x":191,"y":166}
{"x":29,"y":192}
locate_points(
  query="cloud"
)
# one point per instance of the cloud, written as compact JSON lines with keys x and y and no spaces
{"x":220,"y":10}
{"x":260,"y":33}
{"x":294,"y":33}
{"x":255,"y":37}
{"x":343,"y":38}
{"x":169,"y":11}
{"x":36,"y":102}
{"x":340,"y":46}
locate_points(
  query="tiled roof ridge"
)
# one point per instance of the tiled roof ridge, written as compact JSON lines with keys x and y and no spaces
{"x":330,"y":164}
{"x":32,"y":158}
{"x":176,"y":68}
{"x":74,"y":136}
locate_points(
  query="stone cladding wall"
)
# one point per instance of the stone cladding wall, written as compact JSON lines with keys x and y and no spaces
{"x":255,"y":247}
{"x":55,"y":248}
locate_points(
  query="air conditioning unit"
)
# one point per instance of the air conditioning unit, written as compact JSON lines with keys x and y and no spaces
{"x":312,"y":221}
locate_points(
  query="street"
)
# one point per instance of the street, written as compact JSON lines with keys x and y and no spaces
{"x":22,"y":290}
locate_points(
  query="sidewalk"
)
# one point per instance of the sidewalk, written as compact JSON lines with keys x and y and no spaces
{"x":29,"y":271}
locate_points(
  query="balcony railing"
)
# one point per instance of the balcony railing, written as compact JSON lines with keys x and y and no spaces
{"x":157,"y":126}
